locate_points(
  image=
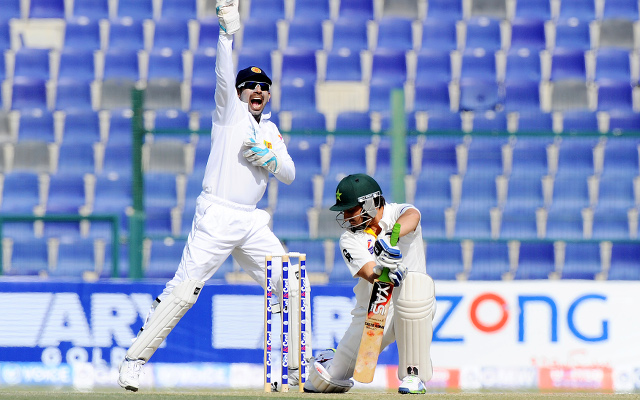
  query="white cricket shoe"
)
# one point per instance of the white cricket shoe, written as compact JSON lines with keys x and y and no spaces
{"x":130,"y":374}
{"x":411,"y":384}
{"x":294,"y":377}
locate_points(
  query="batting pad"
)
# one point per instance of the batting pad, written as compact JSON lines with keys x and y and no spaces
{"x":164,"y":319}
{"x":414,"y":311}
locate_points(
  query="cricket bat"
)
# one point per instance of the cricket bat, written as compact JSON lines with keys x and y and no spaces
{"x":374,"y":324}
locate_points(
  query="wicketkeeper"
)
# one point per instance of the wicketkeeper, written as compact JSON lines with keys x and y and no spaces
{"x":368,"y":221}
{"x":245,"y":148}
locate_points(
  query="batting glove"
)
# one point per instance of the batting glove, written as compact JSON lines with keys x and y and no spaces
{"x":228,"y":16}
{"x":396,"y":273}
{"x":261,"y":156}
{"x":387,"y":255}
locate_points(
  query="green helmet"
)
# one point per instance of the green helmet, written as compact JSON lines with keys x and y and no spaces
{"x":354,"y":190}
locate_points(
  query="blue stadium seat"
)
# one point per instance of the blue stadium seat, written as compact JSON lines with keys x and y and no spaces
{"x":479,"y":95}
{"x":444,"y":10}
{"x":179,"y":9}
{"x":204,"y":66}
{"x":570,"y":193}
{"x":267,"y":10}
{"x":624,"y":262}
{"x":76,"y":158}
{"x":579,"y":122}
{"x":117,"y":160}
{"x":575,"y":158}
{"x":157,"y":221}
{"x":580,"y":9}
{"x":77,"y":64}
{"x":611,"y":224}
{"x":298,"y":97}
{"x":171,"y":33}
{"x":490,"y":261}
{"x":356,"y":10}
{"x":573,"y":34}
{"x":621,"y":158}
{"x":123,"y":261}
{"x":316,"y":9}
{"x":121,"y":64}
{"x":66,"y":193}
{"x":92,"y":9}
{"x":483,"y":33}
{"x":5,"y":40}
{"x":308,"y":120}
{"x":444,"y":122}
{"x":616,"y":192}
{"x":521,"y":95}
{"x":298,"y":66}
{"x":615,"y":95}
{"x":523,"y":64}
{"x":125,"y":34}
{"x":433,"y":194}
{"x":344,"y":66}
{"x":490,"y":121}
{"x":305,"y":34}
{"x":164,"y":258}
{"x":10,"y":9}
{"x":539,"y":9}
{"x":534,"y":122}
{"x":439,"y":156}
{"x":203,"y":95}
{"x":291,"y":225}
{"x":171,"y":119}
{"x":73,"y":94}
{"x":112,"y":195}
{"x":581,"y":261}
{"x":160,"y":190}
{"x":29,"y":257}
{"x":82,"y":33}
{"x":120,"y":127}
{"x":136,"y":10}
{"x":528,"y":33}
{"x":444,"y":260}
{"x":433,"y":222}
{"x":296,"y":198}
{"x":478,"y":63}
{"x":389,"y":67}
{"x":20,"y":193}
{"x":623,"y":121}
{"x":350,"y":35}
{"x":36,"y":125}
{"x":530,"y":157}
{"x":433,"y":65}
{"x":621,"y":9}
{"x":258,"y":35}
{"x":432,"y":96}
{"x":439,"y":34}
{"x":395,"y":33}
{"x":484,"y":157}
{"x":208,"y":34}
{"x":564,"y":224}
{"x":32,"y":63}
{"x":353,"y":121}
{"x":314,"y":250}
{"x":613,"y":64}
{"x":524,"y":193}
{"x":478,"y":194}
{"x":166,"y":64}
{"x":380,"y":94}
{"x":535,"y":260}
{"x":568,"y":64}
{"x":74,"y":258}
{"x":46,"y":9}
{"x":473,"y":224}
{"x":518,"y":223}
{"x":306,"y":155}
{"x":255,"y":57}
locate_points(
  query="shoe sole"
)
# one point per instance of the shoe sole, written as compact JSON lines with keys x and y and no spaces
{"x":127,"y":387}
{"x":407,"y":391}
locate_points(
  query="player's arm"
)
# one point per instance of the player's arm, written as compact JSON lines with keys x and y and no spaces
{"x":287,"y":172}
{"x":366,"y":272}
{"x":408,"y":220}
{"x":225,"y":95}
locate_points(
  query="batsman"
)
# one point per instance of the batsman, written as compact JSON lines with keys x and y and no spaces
{"x":370,"y":250}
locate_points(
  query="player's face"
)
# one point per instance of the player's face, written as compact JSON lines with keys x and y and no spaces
{"x":353,"y":218}
{"x":254,"y":95}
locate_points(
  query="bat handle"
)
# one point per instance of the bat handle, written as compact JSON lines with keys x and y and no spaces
{"x":395,"y":234}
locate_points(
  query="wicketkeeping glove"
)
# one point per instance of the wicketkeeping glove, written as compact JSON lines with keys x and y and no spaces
{"x":228,"y":16}
{"x":261,"y":156}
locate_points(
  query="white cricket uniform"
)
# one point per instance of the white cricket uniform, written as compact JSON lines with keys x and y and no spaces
{"x":357,"y":250}
{"x":226,"y":220}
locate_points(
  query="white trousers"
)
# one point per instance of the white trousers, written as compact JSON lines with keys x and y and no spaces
{"x":221,"y":228}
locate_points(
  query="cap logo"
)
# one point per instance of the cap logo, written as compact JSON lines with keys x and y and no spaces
{"x":338,"y":194}
{"x":368,"y":196}
{"x":256,"y":70}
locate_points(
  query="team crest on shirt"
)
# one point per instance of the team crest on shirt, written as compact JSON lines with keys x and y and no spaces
{"x":268,"y":145}
{"x":370,"y":245}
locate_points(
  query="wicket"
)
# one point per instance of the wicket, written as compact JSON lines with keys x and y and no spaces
{"x":302,"y":333}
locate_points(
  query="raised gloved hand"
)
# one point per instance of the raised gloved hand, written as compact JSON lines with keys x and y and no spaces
{"x":261,"y":156}
{"x":228,"y":16}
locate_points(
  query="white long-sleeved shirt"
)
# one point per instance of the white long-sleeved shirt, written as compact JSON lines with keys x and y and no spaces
{"x":228,"y":174}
